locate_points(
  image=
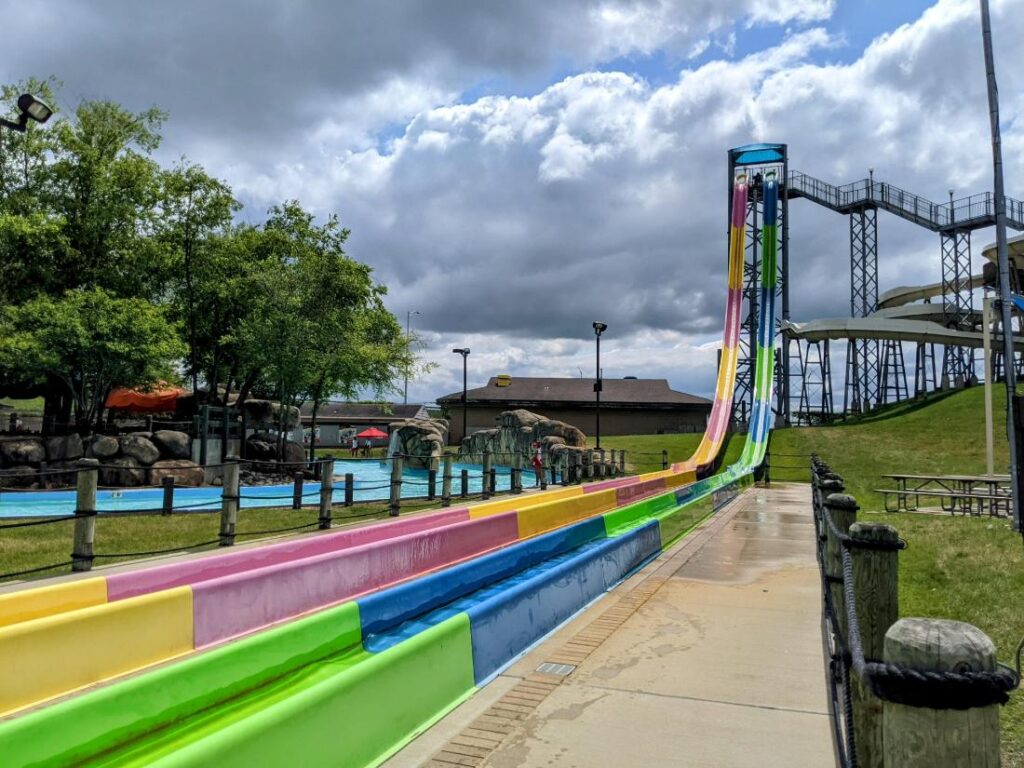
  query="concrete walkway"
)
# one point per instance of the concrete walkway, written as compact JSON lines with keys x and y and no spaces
{"x":709,"y":656}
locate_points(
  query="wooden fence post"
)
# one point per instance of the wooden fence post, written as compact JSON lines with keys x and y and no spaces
{"x":664,"y":459}
{"x":326,"y":492}
{"x":486,"y":479}
{"x":918,"y":737}
{"x":168,"y":486}
{"x":577,"y":467}
{"x":843,"y":510}
{"x":614,"y":464}
{"x":229,"y":502}
{"x":350,"y":488}
{"x":298,"y":477}
{"x":517,"y":473}
{"x":446,"y":482}
{"x":85,"y":515}
{"x":395,"y":504}
{"x":875,"y":581}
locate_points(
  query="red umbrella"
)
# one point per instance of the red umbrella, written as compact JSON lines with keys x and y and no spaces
{"x":372,"y":433}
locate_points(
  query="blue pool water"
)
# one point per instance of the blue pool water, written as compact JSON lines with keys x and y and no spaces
{"x":371,"y":483}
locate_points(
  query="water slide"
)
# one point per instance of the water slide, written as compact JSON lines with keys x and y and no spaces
{"x":337,"y":649}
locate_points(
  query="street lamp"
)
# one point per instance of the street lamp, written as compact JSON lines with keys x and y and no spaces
{"x":29,"y":107}
{"x":408,"y":320}
{"x":465,"y":353}
{"x":599,"y":328}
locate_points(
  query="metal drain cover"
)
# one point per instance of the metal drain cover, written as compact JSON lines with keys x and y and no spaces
{"x":560,"y":670}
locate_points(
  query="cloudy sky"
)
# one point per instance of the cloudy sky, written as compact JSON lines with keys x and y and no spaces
{"x":514,"y":171}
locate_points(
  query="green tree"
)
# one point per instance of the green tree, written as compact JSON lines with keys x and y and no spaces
{"x":194,"y":207}
{"x":90,"y":342}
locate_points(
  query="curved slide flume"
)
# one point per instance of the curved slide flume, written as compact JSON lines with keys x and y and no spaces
{"x":721,"y":410}
{"x":349,"y":684}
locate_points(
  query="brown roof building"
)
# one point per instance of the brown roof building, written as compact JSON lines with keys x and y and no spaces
{"x":628,"y":406}
{"x":336,"y":422}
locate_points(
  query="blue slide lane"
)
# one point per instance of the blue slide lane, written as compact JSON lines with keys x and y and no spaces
{"x":383,"y":611}
{"x":506,"y":624}
{"x":541,"y":585}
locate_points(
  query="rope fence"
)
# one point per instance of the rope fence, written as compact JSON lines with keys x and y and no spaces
{"x":880,"y":668}
{"x":329,"y":502}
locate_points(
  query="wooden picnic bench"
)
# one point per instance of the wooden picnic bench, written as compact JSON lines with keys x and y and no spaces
{"x":968,"y":494}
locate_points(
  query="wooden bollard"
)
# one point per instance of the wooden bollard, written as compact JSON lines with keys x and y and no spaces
{"x":326,"y":493}
{"x":395,"y":503}
{"x":843,"y":510}
{"x":517,"y":473}
{"x":464,"y":483}
{"x":229,"y":502}
{"x":350,"y":489}
{"x":875,"y":582}
{"x":614,"y":464}
{"x":446,"y":481}
{"x":588,"y":464}
{"x":85,"y":515}
{"x":168,"y":500}
{"x":297,"y":478}
{"x":577,"y":467}
{"x":486,"y":475}
{"x":922,"y":738}
{"x":825,"y":489}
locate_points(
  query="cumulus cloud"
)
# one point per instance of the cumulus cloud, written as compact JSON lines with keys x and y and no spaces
{"x":514,"y":219}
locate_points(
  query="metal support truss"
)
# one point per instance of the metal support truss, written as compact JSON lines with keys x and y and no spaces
{"x":815,"y":405}
{"x":862,"y":365}
{"x":925,"y":373}
{"x":743,"y":399}
{"x":892,"y":384}
{"x":957,"y":362}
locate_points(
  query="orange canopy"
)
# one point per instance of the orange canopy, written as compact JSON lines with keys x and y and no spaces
{"x":159,"y":400}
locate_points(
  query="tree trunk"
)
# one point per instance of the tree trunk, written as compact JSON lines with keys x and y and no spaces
{"x":312,"y":430}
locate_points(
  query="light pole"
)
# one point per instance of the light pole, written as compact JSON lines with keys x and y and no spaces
{"x":599,"y":328}
{"x":1003,"y":262}
{"x":465,"y":353}
{"x":29,"y":107}
{"x":408,"y":348}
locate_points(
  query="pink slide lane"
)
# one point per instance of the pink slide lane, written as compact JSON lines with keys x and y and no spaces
{"x":637,"y":491}
{"x":243,"y":602}
{"x":132,"y":583}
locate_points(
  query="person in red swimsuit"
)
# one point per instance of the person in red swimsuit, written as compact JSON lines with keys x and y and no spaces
{"x":538,"y":462}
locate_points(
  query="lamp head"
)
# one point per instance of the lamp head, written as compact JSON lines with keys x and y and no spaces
{"x":463,"y":351}
{"x":35,"y":108}
{"x":600,"y":328}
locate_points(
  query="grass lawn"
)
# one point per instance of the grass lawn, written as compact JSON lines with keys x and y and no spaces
{"x":24,"y":548}
{"x":32,"y":406}
{"x":944,"y":434}
{"x":643,"y":452}
{"x":970,"y":569}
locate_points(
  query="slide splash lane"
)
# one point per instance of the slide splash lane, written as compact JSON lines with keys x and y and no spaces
{"x":350,"y":684}
{"x":721,"y":410}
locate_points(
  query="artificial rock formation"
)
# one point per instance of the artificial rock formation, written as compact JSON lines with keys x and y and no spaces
{"x":420,"y":441}
{"x":519,"y":430}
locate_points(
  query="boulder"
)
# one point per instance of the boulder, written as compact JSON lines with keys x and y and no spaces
{"x":102,"y":447}
{"x":22,"y":451}
{"x":294,"y":453}
{"x":139,"y":448}
{"x":421,"y":440}
{"x":173,"y":445}
{"x":122,"y":471}
{"x":267,"y":412}
{"x":259,"y":449}
{"x":519,"y":430}
{"x":66,"y":448}
{"x":183,"y":471}
{"x":19,"y":476}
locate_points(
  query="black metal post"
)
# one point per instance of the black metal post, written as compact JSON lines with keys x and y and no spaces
{"x":168,"y":484}
{"x":297,"y":492}
{"x":350,"y":482}
{"x":599,"y":328}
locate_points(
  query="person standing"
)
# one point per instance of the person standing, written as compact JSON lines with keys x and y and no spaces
{"x":538,"y":462}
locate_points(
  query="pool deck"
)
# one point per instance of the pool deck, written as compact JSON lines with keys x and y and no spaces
{"x":711,"y":655}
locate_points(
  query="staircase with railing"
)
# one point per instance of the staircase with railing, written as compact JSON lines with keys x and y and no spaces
{"x":972,"y":212}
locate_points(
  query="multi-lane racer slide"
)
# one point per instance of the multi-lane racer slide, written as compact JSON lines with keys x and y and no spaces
{"x":337,"y":649}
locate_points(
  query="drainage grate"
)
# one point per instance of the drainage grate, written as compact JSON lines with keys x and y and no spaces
{"x":561,"y":670}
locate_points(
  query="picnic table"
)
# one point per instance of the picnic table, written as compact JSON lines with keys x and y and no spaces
{"x":968,"y":494}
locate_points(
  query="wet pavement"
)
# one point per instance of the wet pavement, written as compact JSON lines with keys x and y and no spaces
{"x":709,"y":656}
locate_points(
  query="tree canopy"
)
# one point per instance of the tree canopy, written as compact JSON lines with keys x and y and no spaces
{"x":115,"y":271}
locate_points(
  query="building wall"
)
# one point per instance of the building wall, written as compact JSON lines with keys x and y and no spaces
{"x":641,"y":421}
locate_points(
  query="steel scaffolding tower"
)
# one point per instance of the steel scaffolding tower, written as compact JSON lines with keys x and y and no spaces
{"x":957,"y":362}
{"x":862,"y":385}
{"x":815,"y":403}
{"x":892,"y":382}
{"x":757,"y":160}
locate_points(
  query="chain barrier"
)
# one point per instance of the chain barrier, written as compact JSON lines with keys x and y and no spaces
{"x":957,"y":690}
